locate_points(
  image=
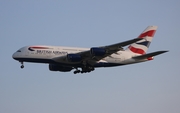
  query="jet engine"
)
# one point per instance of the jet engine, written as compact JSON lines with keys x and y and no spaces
{"x":74,"y":58}
{"x":98,"y":51}
{"x":56,"y":67}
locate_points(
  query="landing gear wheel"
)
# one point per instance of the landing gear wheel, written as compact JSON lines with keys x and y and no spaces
{"x":77,"y":71}
{"x":22,"y":66}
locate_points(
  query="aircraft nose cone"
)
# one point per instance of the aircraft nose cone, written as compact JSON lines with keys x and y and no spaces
{"x":14,"y":56}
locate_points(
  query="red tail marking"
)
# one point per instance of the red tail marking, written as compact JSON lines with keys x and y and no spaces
{"x":136,"y":50}
{"x":150,"y":58}
{"x":148,"y":33}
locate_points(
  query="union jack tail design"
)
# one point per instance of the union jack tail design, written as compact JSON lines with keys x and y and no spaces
{"x":141,"y":47}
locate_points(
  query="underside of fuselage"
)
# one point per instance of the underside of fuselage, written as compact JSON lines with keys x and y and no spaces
{"x":75,"y":65}
{"x":66,"y":67}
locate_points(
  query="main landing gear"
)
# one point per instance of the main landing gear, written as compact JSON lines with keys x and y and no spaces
{"x":84,"y":70}
{"x":77,"y":71}
{"x":22,"y":65}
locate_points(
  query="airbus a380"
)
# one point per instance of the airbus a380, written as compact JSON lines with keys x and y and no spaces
{"x":84,"y":60}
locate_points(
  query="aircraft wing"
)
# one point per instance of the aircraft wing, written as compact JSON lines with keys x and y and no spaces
{"x":121,"y":44}
{"x":110,"y":49}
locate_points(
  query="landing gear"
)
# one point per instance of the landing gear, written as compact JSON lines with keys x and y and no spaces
{"x":77,"y":71}
{"x":22,"y":65}
{"x":87,"y":69}
{"x":84,"y":70}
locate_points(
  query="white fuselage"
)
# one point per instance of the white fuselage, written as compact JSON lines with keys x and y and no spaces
{"x":48,"y":53}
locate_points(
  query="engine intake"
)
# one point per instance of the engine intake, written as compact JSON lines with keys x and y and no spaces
{"x":98,"y":51}
{"x":55,"y":67}
{"x":74,"y":57}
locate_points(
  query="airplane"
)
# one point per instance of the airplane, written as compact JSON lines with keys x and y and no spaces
{"x":83,"y":60}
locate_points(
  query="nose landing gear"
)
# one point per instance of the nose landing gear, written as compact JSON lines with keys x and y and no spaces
{"x":22,"y":65}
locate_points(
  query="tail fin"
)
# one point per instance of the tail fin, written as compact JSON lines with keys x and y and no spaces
{"x":142,"y":46}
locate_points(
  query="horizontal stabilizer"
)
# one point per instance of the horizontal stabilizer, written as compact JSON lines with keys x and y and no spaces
{"x":149,"y":55}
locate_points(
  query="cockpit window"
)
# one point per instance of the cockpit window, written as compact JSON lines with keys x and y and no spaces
{"x":18,"y":50}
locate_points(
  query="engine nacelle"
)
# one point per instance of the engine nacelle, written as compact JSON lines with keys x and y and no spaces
{"x":98,"y":51}
{"x":56,"y":67}
{"x":74,"y":58}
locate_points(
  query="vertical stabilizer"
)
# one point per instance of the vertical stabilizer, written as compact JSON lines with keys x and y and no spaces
{"x":142,"y":46}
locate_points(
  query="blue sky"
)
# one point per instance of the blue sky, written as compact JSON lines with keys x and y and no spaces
{"x":151,"y":87}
